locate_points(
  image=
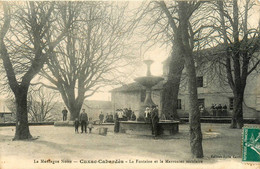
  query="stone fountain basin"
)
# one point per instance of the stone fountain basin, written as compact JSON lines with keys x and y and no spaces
{"x":148,"y":81}
{"x":166,"y":127}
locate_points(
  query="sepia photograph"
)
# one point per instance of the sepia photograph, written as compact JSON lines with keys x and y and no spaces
{"x":130,"y":84}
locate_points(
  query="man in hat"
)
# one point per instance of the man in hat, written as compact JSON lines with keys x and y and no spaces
{"x":155,"y":120}
{"x":101,"y":118}
{"x":64,"y":113}
{"x":83,"y":118}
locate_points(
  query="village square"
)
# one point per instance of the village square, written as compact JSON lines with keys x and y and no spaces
{"x":122,"y":84}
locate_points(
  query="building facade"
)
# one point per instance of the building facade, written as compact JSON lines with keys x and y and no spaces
{"x":210,"y":91}
{"x":133,"y":95}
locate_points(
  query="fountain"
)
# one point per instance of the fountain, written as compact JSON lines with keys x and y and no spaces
{"x":148,"y":82}
{"x":165,"y":127}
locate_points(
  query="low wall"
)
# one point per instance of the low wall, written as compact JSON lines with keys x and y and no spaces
{"x":30,"y":124}
{"x":211,"y":119}
{"x":71,"y":123}
{"x":142,"y":128}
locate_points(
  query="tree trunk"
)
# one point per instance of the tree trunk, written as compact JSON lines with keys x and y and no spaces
{"x":74,"y":112}
{"x":22,"y":127}
{"x":237,"y":75}
{"x":194,"y":114}
{"x":170,"y":96}
{"x":74,"y":109}
{"x":237,"y":115}
{"x":171,"y":87}
{"x":184,"y":45}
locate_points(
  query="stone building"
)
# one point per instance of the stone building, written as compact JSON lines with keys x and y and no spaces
{"x":210,"y":91}
{"x":6,"y":115}
{"x":133,"y":95}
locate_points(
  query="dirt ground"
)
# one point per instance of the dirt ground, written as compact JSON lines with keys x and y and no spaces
{"x":60,"y":147}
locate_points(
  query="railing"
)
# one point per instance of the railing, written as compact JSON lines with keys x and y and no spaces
{"x":221,"y":119}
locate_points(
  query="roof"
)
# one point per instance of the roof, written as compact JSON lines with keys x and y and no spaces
{"x":129,"y":87}
{"x":136,"y":87}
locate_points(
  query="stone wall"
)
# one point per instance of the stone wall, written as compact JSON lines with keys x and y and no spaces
{"x":216,"y":92}
{"x":121,"y":100}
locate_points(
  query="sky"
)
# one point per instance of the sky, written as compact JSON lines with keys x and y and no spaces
{"x":158,"y":54}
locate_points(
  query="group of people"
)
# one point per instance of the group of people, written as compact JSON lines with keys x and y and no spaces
{"x":219,"y":110}
{"x":125,"y":114}
{"x":84,"y":121}
{"x":151,"y":115}
{"x":108,"y":118}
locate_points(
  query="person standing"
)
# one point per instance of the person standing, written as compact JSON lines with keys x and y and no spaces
{"x":155,"y":120}
{"x":120,"y":115}
{"x":111,"y":118}
{"x":128,"y":114}
{"x":201,"y":108}
{"x":101,"y":118}
{"x":116,"y":126}
{"x":90,"y":125}
{"x":83,"y":117}
{"x":64,"y":113}
{"x":133,"y":116}
{"x":213,"y":109}
{"x":106,"y":118}
{"x":76,"y":125}
{"x":219,"y":110}
{"x":125,"y":110}
{"x":224,"y":110}
{"x":147,"y":114}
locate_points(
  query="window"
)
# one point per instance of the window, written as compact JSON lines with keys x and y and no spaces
{"x":142,"y":95}
{"x":231,"y":103}
{"x":200,"y":81}
{"x":201,"y":102}
{"x":178,"y":103}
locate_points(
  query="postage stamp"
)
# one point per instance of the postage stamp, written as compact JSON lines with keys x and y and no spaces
{"x":251,"y":144}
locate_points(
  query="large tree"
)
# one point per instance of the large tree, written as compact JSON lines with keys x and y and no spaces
{"x":238,"y":43}
{"x":28,"y":33}
{"x":154,"y":25}
{"x":91,"y":54}
{"x":172,"y":85}
{"x":184,"y":42}
{"x":173,"y":23}
{"x":158,"y":31}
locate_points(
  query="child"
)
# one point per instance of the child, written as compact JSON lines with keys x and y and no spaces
{"x":76,"y":124}
{"x":90,"y":124}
